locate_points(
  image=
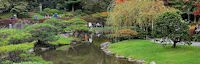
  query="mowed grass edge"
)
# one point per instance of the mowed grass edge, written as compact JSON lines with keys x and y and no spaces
{"x":149,"y":51}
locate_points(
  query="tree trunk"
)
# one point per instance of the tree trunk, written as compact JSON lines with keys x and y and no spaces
{"x":72,"y":8}
{"x":188,"y":14}
{"x":174,"y":45}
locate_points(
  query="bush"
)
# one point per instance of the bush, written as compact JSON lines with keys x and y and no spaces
{"x":54,"y":11}
{"x":24,"y":15}
{"x":76,"y":28}
{"x":42,"y":32}
{"x":62,"y":40}
{"x":128,"y":32}
{"x":20,"y":38}
{"x":5,"y":34}
{"x":19,"y":47}
{"x":50,"y":11}
{"x":67,"y":14}
{"x":60,"y":24}
{"x":75,"y":21}
{"x":79,"y":13}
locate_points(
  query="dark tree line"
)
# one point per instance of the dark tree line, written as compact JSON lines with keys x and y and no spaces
{"x":89,"y":6}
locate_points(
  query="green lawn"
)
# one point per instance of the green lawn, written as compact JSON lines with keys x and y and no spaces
{"x":149,"y":51}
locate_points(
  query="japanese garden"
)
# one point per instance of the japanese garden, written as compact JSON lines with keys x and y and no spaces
{"x":99,"y":31}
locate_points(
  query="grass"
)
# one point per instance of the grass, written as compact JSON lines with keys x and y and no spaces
{"x":149,"y":51}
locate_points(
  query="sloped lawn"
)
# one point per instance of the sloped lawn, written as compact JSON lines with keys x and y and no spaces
{"x":149,"y":51}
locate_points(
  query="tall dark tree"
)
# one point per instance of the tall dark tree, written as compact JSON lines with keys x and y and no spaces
{"x":72,"y":3}
{"x":92,"y":6}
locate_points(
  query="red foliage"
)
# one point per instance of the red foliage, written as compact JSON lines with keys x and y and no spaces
{"x":119,"y":1}
{"x":197,"y":12}
{"x":128,"y":32}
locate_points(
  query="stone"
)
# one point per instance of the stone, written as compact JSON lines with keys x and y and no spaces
{"x":153,"y":62}
{"x":31,"y":50}
{"x":105,"y":45}
{"x":120,"y":57}
{"x":44,"y":49}
{"x":131,"y":60}
{"x":140,"y":61}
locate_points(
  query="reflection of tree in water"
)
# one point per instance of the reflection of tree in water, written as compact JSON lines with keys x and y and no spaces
{"x":82,"y":54}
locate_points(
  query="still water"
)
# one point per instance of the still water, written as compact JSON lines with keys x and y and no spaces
{"x":81,"y":54}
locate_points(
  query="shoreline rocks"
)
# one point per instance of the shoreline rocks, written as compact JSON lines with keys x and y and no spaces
{"x":104,"y":47}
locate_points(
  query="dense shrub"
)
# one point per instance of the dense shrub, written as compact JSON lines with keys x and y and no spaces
{"x":20,"y":38}
{"x":197,"y":37}
{"x":60,"y":24}
{"x":42,"y":32}
{"x":24,"y":15}
{"x":76,"y":28}
{"x":79,"y":13}
{"x":50,"y":11}
{"x":170,"y":25}
{"x":5,"y":34}
{"x":19,"y":47}
{"x":76,"y":21}
{"x":76,"y":24}
{"x":128,"y":32}
{"x":67,"y":14}
{"x":61,"y":40}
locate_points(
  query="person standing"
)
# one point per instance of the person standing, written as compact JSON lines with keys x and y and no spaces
{"x":90,"y":25}
{"x":55,"y":15}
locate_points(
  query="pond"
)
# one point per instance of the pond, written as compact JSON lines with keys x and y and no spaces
{"x":81,"y":54}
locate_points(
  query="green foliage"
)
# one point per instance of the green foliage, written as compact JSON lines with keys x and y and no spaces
{"x":197,"y":37}
{"x":32,"y":59}
{"x":40,"y":15}
{"x":61,"y":40}
{"x":92,"y":6}
{"x":79,"y":13}
{"x":42,"y":32}
{"x":67,"y":14}
{"x":5,"y":34}
{"x":76,"y":21}
{"x":149,"y":51}
{"x":20,"y":38}
{"x":59,"y":24}
{"x":5,"y":15}
{"x":23,"y":15}
{"x":76,"y":28}
{"x":170,"y":24}
{"x":21,"y":47}
{"x":50,"y":11}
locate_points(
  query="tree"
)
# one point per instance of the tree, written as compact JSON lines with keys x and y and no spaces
{"x":72,"y":3}
{"x":43,"y":33}
{"x":170,"y":25}
{"x":140,"y":14}
{"x":92,"y":6}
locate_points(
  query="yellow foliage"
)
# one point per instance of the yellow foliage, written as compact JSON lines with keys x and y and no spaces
{"x":135,"y":12}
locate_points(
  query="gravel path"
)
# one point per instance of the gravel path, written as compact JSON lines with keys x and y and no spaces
{"x":181,"y":43}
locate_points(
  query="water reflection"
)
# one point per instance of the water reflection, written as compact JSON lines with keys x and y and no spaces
{"x":82,"y":54}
